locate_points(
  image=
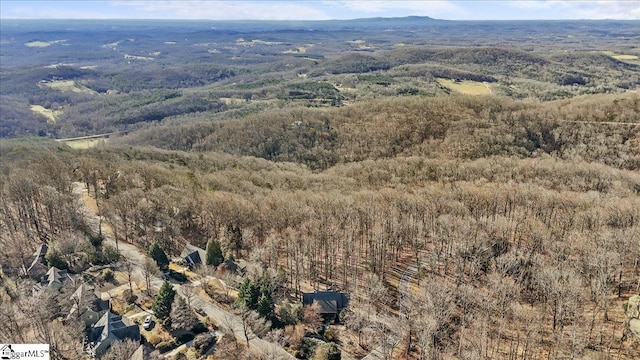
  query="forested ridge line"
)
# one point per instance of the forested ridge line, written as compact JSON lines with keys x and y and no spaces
{"x":444,"y":127}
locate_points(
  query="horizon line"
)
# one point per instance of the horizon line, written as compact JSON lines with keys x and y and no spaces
{"x":306,"y":20}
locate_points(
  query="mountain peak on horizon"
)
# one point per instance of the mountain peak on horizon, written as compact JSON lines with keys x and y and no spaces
{"x":410,"y":17}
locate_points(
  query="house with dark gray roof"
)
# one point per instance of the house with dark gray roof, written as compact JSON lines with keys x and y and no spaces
{"x":193,"y":255}
{"x":330,"y":303}
{"x":108,"y":329}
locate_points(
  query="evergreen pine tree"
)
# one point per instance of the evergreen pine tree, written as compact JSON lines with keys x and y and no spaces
{"x":214,"y":253}
{"x":248,"y":294}
{"x":157,"y":254}
{"x":164,"y":300}
{"x":265,"y":303}
{"x":244,"y":292}
{"x":181,"y":316}
{"x":54,"y":258}
{"x":234,"y":237}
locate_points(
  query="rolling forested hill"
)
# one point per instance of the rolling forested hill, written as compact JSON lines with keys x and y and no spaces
{"x":64,"y":79}
{"x":474,"y":186}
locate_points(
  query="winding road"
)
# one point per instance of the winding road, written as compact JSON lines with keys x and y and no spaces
{"x":404,"y":286}
{"x":228,"y":321}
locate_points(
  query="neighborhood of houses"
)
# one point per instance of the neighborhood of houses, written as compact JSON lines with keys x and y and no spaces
{"x":105,"y":325}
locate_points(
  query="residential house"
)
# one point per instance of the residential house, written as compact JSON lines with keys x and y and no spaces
{"x":87,"y":305}
{"x":330,"y":303}
{"x":53,"y":279}
{"x":108,"y":329}
{"x":232,"y":266}
{"x":193,"y":255}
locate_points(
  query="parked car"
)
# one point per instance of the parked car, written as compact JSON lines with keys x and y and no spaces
{"x":200,"y":312}
{"x":147,"y":323}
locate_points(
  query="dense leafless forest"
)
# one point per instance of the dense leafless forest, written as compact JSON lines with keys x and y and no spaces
{"x":503,"y":225}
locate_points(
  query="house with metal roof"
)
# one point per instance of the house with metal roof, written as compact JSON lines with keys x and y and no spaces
{"x":193,"y":255}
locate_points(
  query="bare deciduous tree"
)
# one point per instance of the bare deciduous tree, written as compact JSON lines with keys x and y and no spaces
{"x":253,"y":323}
{"x":128,"y":268}
{"x":120,"y":350}
{"x":311,"y":317}
{"x":149,"y":271}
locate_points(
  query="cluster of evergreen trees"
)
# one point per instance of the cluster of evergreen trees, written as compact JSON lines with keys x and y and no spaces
{"x":256,"y":296}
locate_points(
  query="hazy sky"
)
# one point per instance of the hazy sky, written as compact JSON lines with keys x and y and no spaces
{"x":320,"y":10}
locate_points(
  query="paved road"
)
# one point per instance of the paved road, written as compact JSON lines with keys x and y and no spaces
{"x":228,"y":320}
{"x":129,"y":251}
{"x":232,"y":323}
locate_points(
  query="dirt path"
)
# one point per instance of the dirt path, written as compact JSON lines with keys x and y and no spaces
{"x":228,"y":320}
{"x":105,"y":135}
{"x":488,"y":88}
{"x":404,"y":286}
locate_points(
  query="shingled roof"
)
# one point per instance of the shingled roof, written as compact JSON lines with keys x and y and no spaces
{"x":85,"y":296}
{"x":193,"y":255}
{"x":141,"y":353}
{"x":330,"y":302}
{"x":110,"y":328}
{"x":55,"y":277}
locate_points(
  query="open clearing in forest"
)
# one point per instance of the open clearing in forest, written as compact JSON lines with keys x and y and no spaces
{"x":43,"y":44}
{"x":232,"y":101}
{"x":625,"y":57}
{"x":298,"y":50}
{"x":136,"y":57}
{"x":620,"y":56}
{"x":629,"y":58}
{"x":243,"y":42}
{"x":83,"y":144}
{"x":51,"y":115}
{"x":466,"y":87}
{"x":68,"y":85}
